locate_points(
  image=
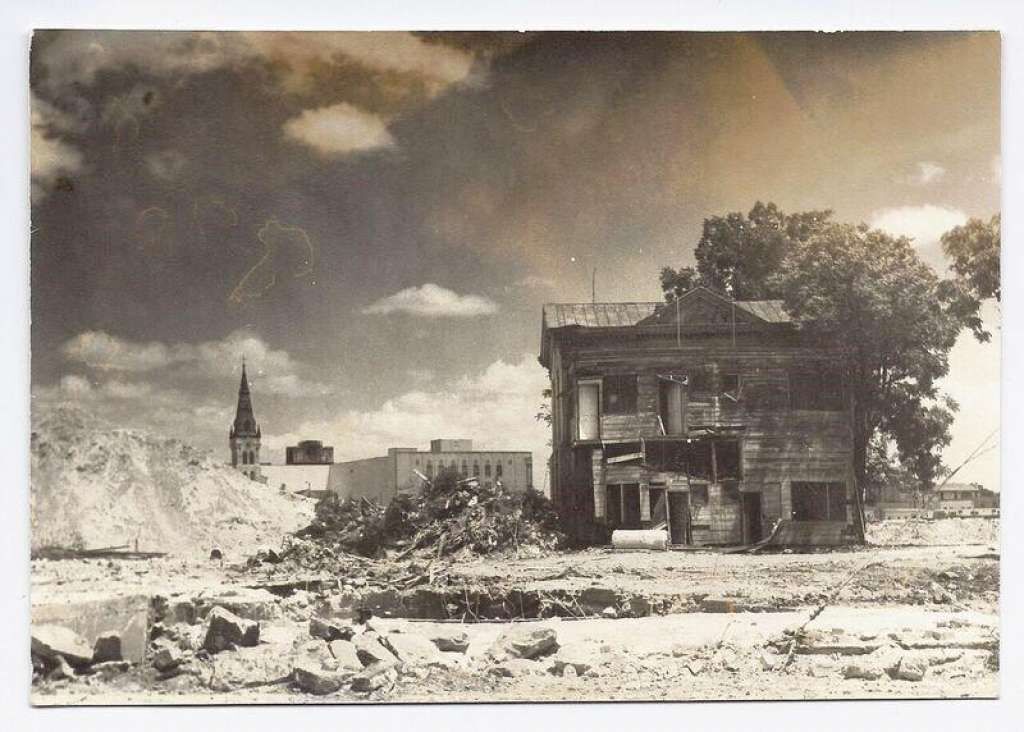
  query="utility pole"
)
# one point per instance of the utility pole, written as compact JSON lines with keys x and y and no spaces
{"x":593,"y":286}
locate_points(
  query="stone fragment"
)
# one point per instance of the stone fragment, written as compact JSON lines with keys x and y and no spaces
{"x":452,"y":642}
{"x":695,"y":667}
{"x":911,"y":669}
{"x":167,"y":658}
{"x":53,"y":641}
{"x":313,"y":678}
{"x":414,"y":650}
{"x":328,"y":630}
{"x":580,"y":657}
{"x":523,"y":642}
{"x":107,"y":648}
{"x":344,"y":652}
{"x":61,"y":669}
{"x":370,"y":650}
{"x":862,"y":669}
{"x":375,"y":676}
{"x":226,"y":630}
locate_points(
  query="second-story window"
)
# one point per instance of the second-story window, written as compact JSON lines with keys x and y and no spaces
{"x":619,"y":394}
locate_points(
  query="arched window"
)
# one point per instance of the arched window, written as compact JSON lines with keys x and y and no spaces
{"x":430,"y":469}
{"x":497,"y":469}
{"x":476,"y":470}
{"x":465,"y":469}
{"x":487,"y":470}
{"x":245,"y":457}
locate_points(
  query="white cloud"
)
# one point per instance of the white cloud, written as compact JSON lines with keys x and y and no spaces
{"x":494,"y":408}
{"x":924,"y":224}
{"x":433,"y":301}
{"x":51,"y":156}
{"x":338,"y":130}
{"x":273,"y":371}
{"x":79,"y":56}
{"x":925,"y":174}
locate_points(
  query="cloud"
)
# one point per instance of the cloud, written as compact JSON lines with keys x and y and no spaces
{"x":536,"y":281}
{"x":433,"y":301}
{"x":339,"y":129}
{"x":495,"y":408}
{"x":79,"y":57}
{"x":273,"y":371}
{"x":924,"y":224}
{"x":926,"y":174}
{"x":51,"y":156}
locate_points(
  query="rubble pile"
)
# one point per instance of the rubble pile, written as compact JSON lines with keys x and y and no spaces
{"x":94,"y":486}
{"x":446,"y":517}
{"x":937,"y":532}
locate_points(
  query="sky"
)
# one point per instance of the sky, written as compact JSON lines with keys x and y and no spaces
{"x":374,"y":220}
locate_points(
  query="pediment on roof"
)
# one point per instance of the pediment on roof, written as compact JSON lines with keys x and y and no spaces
{"x":700,"y":307}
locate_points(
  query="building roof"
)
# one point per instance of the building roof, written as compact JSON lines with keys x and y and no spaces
{"x":625,"y":314}
{"x":963,"y":487}
{"x":597,"y":314}
{"x":628,"y":314}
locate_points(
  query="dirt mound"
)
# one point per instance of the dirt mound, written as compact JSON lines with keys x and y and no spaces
{"x":937,"y":532}
{"x":449,"y":516}
{"x":95,"y":486}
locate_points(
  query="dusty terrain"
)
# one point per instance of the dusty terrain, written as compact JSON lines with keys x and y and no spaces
{"x":893,"y":621}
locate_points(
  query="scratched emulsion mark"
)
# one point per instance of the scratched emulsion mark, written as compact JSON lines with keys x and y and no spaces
{"x":210,"y":213}
{"x":151,"y":230}
{"x":288,"y":252}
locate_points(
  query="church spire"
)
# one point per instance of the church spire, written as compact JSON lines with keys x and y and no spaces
{"x":245,"y":420}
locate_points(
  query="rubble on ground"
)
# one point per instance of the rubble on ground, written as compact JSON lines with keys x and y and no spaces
{"x":449,"y":515}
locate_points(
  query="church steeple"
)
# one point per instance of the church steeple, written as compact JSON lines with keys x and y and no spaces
{"x":245,"y":421}
{"x":244,"y":435}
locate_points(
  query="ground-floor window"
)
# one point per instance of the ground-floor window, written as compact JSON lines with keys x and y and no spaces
{"x":819,"y":501}
{"x":624,"y":506}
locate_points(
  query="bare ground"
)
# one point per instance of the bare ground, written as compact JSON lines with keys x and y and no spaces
{"x":642,"y":625}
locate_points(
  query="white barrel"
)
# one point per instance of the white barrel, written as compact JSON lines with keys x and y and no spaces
{"x":640,"y":539}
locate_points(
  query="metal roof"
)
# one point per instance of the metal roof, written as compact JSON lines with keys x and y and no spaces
{"x":771,"y":311}
{"x":619,"y":314}
{"x":597,"y":314}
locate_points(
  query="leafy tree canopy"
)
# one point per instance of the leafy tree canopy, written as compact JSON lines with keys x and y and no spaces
{"x":862,"y":287}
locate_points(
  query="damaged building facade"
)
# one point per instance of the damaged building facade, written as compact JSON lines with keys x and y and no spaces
{"x":710,"y":418}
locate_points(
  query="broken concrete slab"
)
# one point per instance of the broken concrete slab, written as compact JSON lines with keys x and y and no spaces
{"x":127,"y":615}
{"x":313,"y":678}
{"x":415,"y":650}
{"x":329,"y":630}
{"x":910,"y":669}
{"x":226,"y":630}
{"x":452,"y":642}
{"x":375,"y":676}
{"x":524,"y":642}
{"x":370,"y":649}
{"x":51,"y":642}
{"x":344,"y":652}
{"x":579,"y":656}
{"x":245,"y":602}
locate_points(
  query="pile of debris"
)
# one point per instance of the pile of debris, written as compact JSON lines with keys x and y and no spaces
{"x":449,"y":515}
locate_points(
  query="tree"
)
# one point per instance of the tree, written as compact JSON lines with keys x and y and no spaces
{"x":870,"y":291}
{"x":737,"y":254}
{"x":974,"y":249}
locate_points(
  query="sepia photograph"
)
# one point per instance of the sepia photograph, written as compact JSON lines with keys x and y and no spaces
{"x":409,"y":366}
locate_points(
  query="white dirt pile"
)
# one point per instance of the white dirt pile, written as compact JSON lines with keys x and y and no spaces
{"x":937,"y":532}
{"x":94,"y":486}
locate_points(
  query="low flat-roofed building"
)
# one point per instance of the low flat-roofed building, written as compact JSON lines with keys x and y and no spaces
{"x":309,"y":480}
{"x":382,"y":478}
{"x":309,"y":452}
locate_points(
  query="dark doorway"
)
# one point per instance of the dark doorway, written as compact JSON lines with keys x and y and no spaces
{"x":679,"y":517}
{"x":751,"y":517}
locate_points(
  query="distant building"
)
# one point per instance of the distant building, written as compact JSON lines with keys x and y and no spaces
{"x":382,"y":478}
{"x":307,"y":480}
{"x":964,"y":496}
{"x":309,"y":452}
{"x":244,"y":435}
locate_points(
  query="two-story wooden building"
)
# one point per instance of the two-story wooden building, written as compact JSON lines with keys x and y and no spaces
{"x":707,"y":417}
